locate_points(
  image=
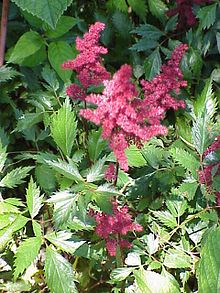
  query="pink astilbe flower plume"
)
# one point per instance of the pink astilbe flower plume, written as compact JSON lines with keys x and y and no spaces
{"x":113,"y":227}
{"x":125,"y":117}
{"x":88,"y":64}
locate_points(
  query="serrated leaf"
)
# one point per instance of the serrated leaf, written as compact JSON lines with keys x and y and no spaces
{"x":64,"y":128}
{"x":120,"y":5}
{"x":15,"y":177}
{"x":58,"y":53}
{"x":207,"y":16}
{"x":7,"y":73}
{"x":7,"y":219}
{"x":45,"y":177}
{"x":28,"y":44}
{"x":186,"y":160}
{"x":201,"y":134}
{"x":37,"y":228}
{"x":120,"y":274}
{"x":148,"y":31}
{"x":68,"y":170}
{"x":48,"y":10}
{"x":58,"y":273}
{"x":63,"y":241}
{"x":64,"y":24}
{"x":26,"y":254}
{"x":19,"y":286}
{"x":139,"y":7}
{"x":209,"y":266}
{"x":177,"y":259}
{"x":134,"y":157}
{"x":157,"y":8}
{"x":122,"y":24}
{"x":3,"y":156}
{"x":33,"y":198}
{"x":144,"y":44}
{"x":95,"y":145}
{"x":166,"y":218}
{"x":96,"y":171}
{"x":188,"y":189}
{"x":151,"y":282}
{"x":27,"y":120}
{"x":152,"y":64}
{"x":8,"y":208}
{"x":63,"y":204}
{"x":133,"y":259}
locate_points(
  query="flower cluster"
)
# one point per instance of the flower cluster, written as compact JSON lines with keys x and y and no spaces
{"x":110,"y":172}
{"x":184,"y":9}
{"x":113,"y":227}
{"x":127,"y":118}
{"x":90,"y":71}
{"x":206,"y":175}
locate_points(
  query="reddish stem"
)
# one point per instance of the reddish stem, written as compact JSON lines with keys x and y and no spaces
{"x":4,"y":20}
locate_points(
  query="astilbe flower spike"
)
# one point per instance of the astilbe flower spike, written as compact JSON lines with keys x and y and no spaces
{"x":184,"y":9}
{"x":125,"y":117}
{"x":113,"y":227}
{"x":88,"y":64}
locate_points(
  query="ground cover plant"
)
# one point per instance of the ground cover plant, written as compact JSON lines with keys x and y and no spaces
{"x":109,"y":146}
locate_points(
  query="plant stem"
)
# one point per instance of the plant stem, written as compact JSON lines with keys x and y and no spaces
{"x":4,"y":20}
{"x":116,"y":174}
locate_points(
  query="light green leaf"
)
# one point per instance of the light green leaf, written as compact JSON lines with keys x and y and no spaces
{"x":188,"y":189}
{"x":6,"y":219}
{"x":19,"y":286}
{"x":62,"y":240}
{"x":36,"y":228}
{"x":121,"y":5}
{"x":207,"y":16}
{"x":134,"y":156}
{"x":58,"y":273}
{"x":33,"y":198}
{"x":166,"y":218}
{"x":48,"y":10}
{"x":96,"y":171}
{"x":64,"y":24}
{"x":139,"y":7}
{"x":28,"y":44}
{"x":15,"y":177}
{"x":7,"y":73}
{"x":64,"y":128}
{"x":8,"y":208}
{"x":152,"y":243}
{"x":68,"y":170}
{"x":201,"y":134}
{"x":177,"y":259}
{"x":151,"y":282}
{"x":58,"y":53}
{"x":3,"y":156}
{"x":133,"y":259}
{"x":120,"y":274}
{"x":26,"y":254}
{"x":152,"y":64}
{"x":209,"y":266}
{"x":95,"y":144}
{"x":158,"y":9}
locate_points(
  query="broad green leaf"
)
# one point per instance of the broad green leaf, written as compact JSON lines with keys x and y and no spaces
{"x":95,"y":144}
{"x":151,"y":282}
{"x":64,"y":24}
{"x":8,"y":208}
{"x":152,"y":243}
{"x":62,"y":240}
{"x":26,"y":254}
{"x":7,"y":232}
{"x":158,"y":9}
{"x":15,"y":177}
{"x":133,"y":259}
{"x":58,"y":273}
{"x":58,"y":53}
{"x":45,"y":177}
{"x":177,"y":259}
{"x":207,"y":16}
{"x":166,"y":218}
{"x":48,"y":10}
{"x":187,"y":160}
{"x":7,"y":73}
{"x":7,"y":219}
{"x":134,"y":156}
{"x":188,"y":189}
{"x":148,"y":31}
{"x":120,"y":274}
{"x":139,"y":7}
{"x":144,"y":44}
{"x":122,"y":24}
{"x":209,"y":266}
{"x":33,"y":198}
{"x":64,"y":128}
{"x":68,"y":170}
{"x":28,"y":44}
{"x":152,"y":64}
{"x":201,"y":134}
{"x":27,"y":120}
{"x":50,"y":77}
{"x":63,"y":204}
{"x":96,"y":171}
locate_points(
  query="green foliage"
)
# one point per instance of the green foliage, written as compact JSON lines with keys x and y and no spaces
{"x":15,"y":177}
{"x":33,"y":198}
{"x":152,"y":64}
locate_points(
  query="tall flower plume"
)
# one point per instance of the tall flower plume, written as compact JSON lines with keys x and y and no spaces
{"x":88,"y":64}
{"x":127,"y":118}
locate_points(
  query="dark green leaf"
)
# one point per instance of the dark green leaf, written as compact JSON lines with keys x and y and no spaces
{"x":152,"y":64}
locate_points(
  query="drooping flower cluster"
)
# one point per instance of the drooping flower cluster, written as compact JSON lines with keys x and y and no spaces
{"x":184,"y":9}
{"x":113,"y":227}
{"x":127,"y":118}
{"x":206,"y":175}
{"x":110,"y":172}
{"x":87,"y":64}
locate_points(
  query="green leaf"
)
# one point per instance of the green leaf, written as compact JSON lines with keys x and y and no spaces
{"x":6,"y":220}
{"x":27,"y":120}
{"x":95,"y":145}
{"x":7,"y":73}
{"x":33,"y":198}
{"x":201,"y":134}
{"x":48,"y":10}
{"x":8,"y":208}
{"x":58,"y":53}
{"x":63,"y":204}
{"x":152,"y":64}
{"x":209,"y":266}
{"x":45,"y":177}
{"x":37,"y":228}
{"x":3,"y":156}
{"x":64,"y":24}
{"x":187,"y":160}
{"x":26,"y":254}
{"x":120,"y":274}
{"x":122,"y":24}
{"x":151,"y":282}
{"x":217,"y":39}
{"x":62,"y":240}
{"x":188,"y":189}
{"x":19,"y":286}
{"x":64,"y":128}
{"x":96,"y":171}
{"x":152,"y":243}
{"x":133,"y":259}
{"x":144,"y":44}
{"x":134,"y":156}
{"x":166,"y":218}
{"x":148,"y":31}
{"x":158,"y":9}
{"x":207,"y":16}
{"x":28,"y":44}
{"x":139,"y":7}
{"x":68,"y":170}
{"x":120,"y":5}
{"x":177,"y":259}
{"x":58,"y":273}
{"x":15,"y":177}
